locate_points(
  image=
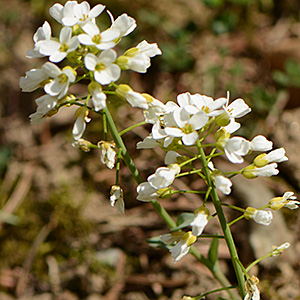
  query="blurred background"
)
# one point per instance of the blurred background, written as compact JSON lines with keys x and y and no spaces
{"x":59,"y":236}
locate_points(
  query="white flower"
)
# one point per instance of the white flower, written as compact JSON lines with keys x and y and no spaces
{"x":73,"y":13}
{"x":98,"y":97}
{"x":46,"y":107}
{"x":221,"y":182}
{"x":33,"y":80}
{"x":135,"y":99}
{"x":263,"y":217}
{"x":183,"y":246}
{"x":124,"y":24}
{"x":58,"y":50}
{"x":146,"y":192}
{"x":187,"y":125}
{"x":235,"y":148}
{"x":236,"y":109}
{"x":163,"y":176}
{"x":61,"y":79}
{"x":203,"y":103}
{"x":171,"y":157}
{"x":155,"y":109}
{"x":266,"y":171}
{"x":82,"y":144}
{"x":138,"y":58}
{"x":93,"y":37}
{"x":277,"y":156}
{"x":200,"y":220}
{"x":108,"y":153}
{"x":81,"y":116}
{"x":288,"y":200}
{"x":116,"y":198}
{"x":148,"y":143}
{"x":105,"y":71}
{"x":252,"y":291}
{"x":43,"y":33}
{"x":260,"y":143}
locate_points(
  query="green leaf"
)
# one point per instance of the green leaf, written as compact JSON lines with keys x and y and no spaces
{"x":184,"y":220}
{"x":213,"y":252}
{"x":156,"y":242}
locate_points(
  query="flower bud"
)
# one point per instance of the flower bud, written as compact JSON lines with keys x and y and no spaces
{"x":122,"y":90}
{"x":278,"y":250}
{"x":165,"y":193}
{"x":222,"y":119}
{"x":122,"y":61}
{"x":260,"y":160}
{"x":276,"y":203}
{"x":248,"y":172}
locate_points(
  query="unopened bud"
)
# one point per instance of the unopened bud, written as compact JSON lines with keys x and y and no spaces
{"x":260,"y":160}
{"x":248,"y":172}
{"x":222,"y":119}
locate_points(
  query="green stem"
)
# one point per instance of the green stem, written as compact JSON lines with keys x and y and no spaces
{"x":215,"y":270}
{"x":225,"y":228}
{"x":134,"y":171}
{"x":132,"y":127}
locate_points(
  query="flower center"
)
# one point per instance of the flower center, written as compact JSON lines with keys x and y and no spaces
{"x":99,"y":67}
{"x":188,"y":128}
{"x":205,"y":109}
{"x":96,"y":39}
{"x":63,"y":78}
{"x":64,"y":47}
{"x":83,"y":18}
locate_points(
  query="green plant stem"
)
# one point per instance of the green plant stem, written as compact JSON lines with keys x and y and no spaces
{"x":217,"y":273}
{"x":132,"y":127}
{"x":225,"y":228}
{"x":134,"y":171}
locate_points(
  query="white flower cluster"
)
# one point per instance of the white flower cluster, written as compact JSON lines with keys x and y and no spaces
{"x":85,"y":46}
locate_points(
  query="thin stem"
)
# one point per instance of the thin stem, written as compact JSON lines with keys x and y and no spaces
{"x":225,"y":228}
{"x":132,"y":127}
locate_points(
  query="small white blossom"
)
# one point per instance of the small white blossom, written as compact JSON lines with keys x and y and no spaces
{"x":252,"y":291}
{"x":103,"y":66}
{"x":46,"y":107}
{"x":123,"y":24}
{"x":73,"y":13}
{"x":135,"y":99}
{"x":288,"y":200}
{"x":43,"y":33}
{"x":265,"y":171}
{"x":260,"y":143}
{"x":61,"y":79}
{"x":81,"y":116}
{"x":183,"y":246}
{"x":277,"y":156}
{"x":93,"y":37}
{"x":222,"y":183}
{"x":164,"y":176}
{"x":33,"y":80}
{"x":235,"y":148}
{"x":58,"y":50}
{"x":116,"y":198}
{"x":171,"y":157}
{"x":148,"y":143}
{"x":236,"y":109}
{"x":200,"y":220}
{"x":138,"y":58}
{"x":146,"y":192}
{"x":108,"y":153}
{"x":263,"y":217}
{"x":98,"y":97}
{"x":202,"y":103}
{"x":186,"y":125}
{"x":82,"y":144}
